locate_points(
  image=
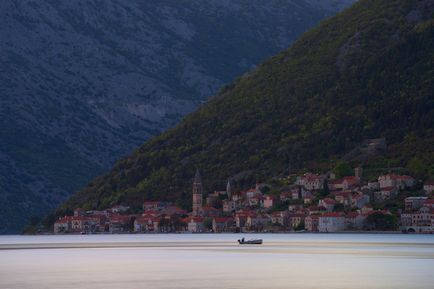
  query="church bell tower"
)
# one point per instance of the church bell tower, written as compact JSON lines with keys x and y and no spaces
{"x":197,"y":194}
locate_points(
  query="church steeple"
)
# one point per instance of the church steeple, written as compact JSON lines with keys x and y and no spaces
{"x":228,"y":189}
{"x":197,"y":194}
{"x":197,"y":178}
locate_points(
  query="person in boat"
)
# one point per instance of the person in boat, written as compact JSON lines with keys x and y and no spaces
{"x":242,"y":240}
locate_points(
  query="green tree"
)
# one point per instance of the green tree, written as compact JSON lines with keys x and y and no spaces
{"x":417,"y":167}
{"x":342,"y":169}
{"x":339,"y":207}
{"x":207,"y":223}
{"x":325,"y":190}
{"x":300,"y":226}
{"x":380,"y":221}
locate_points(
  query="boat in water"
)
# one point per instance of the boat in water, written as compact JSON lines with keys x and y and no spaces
{"x":250,"y":242}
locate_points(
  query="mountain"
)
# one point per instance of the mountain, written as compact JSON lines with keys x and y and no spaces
{"x":83,"y":83}
{"x":365,"y":73}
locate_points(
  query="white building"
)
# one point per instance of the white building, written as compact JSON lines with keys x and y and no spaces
{"x":195,"y":225}
{"x":331,"y":222}
{"x":428,"y":187}
{"x":311,"y":182}
{"x":421,"y":221}
{"x":397,"y":181}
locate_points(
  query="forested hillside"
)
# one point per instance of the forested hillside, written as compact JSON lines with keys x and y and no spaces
{"x":365,"y":73}
{"x":83,"y":83}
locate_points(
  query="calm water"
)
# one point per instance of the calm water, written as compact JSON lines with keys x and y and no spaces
{"x":215,"y":261}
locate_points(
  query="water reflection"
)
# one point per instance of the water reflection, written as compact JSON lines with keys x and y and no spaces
{"x":215,"y":261}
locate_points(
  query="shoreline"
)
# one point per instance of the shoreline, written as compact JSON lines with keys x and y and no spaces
{"x":219,"y":233}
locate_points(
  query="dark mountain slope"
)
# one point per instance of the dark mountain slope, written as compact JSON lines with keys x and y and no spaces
{"x":85,"y":82}
{"x":365,"y":73}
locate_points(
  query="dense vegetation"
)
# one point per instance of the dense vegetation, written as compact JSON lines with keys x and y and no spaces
{"x":83,"y":83}
{"x":365,"y":73}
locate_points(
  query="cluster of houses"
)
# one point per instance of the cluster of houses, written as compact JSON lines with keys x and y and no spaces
{"x":418,"y":216}
{"x":313,"y":203}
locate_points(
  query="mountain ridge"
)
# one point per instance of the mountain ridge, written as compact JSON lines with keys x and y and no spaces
{"x":83,"y":83}
{"x":365,"y":73}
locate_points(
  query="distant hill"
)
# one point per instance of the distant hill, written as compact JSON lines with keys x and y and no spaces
{"x":365,"y":73}
{"x":83,"y":83}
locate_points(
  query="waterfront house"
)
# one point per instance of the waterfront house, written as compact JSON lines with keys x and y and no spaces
{"x":257,"y":221}
{"x":280,"y":217}
{"x":119,"y":223}
{"x":195,"y":224}
{"x":331,"y":222}
{"x":63,"y":225}
{"x":311,"y":223}
{"x":355,"y":220}
{"x":296,"y":219}
{"x":146,"y":224}
{"x":223,"y":224}
{"x":421,"y":221}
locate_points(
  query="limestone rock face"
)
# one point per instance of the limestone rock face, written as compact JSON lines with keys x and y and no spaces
{"x":83,"y":83}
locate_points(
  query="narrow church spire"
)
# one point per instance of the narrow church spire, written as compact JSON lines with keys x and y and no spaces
{"x":228,"y":189}
{"x":197,"y":177}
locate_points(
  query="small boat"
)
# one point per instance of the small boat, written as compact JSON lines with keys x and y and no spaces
{"x":250,"y":242}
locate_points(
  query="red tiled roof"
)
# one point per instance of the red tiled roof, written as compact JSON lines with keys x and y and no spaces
{"x":223,"y":219}
{"x":119,"y":218}
{"x":147,"y":219}
{"x":332,"y":215}
{"x":398,"y":177}
{"x":352,"y":215}
{"x":329,"y":201}
{"x":151,"y":202}
{"x":209,"y":209}
{"x":345,"y":194}
{"x":65,"y":219}
{"x":311,"y":177}
{"x":195,"y":219}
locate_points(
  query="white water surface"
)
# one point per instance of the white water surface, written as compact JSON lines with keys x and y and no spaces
{"x":299,"y":261}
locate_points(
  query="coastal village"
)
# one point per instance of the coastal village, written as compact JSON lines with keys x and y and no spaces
{"x":312,"y":203}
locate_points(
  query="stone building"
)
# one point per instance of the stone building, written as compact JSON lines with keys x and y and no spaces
{"x":197,"y":195}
